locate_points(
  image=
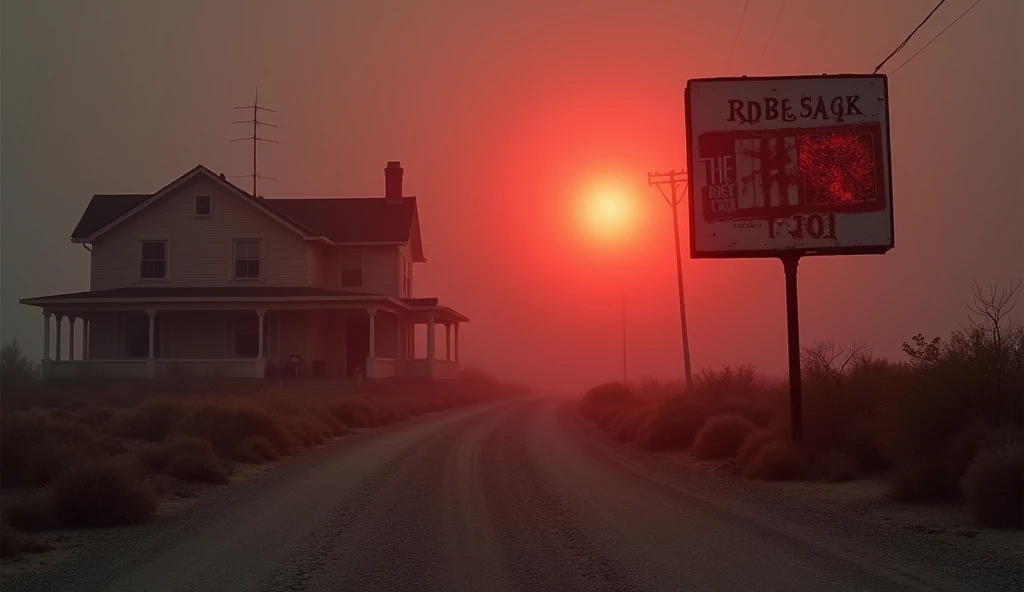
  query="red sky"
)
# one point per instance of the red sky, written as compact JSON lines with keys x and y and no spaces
{"x":503,"y":115}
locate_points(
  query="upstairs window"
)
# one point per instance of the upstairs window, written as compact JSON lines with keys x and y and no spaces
{"x":352,"y":270}
{"x":203,"y":205}
{"x":153,"y":265}
{"x":248,"y":259}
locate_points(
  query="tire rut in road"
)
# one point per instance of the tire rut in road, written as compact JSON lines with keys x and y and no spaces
{"x":389,"y":534}
{"x":544,"y":546}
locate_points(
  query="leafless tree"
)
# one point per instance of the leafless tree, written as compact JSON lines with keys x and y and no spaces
{"x":833,"y":360}
{"x":995,"y":334}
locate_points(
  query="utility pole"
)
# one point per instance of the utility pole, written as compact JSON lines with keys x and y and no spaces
{"x":676,"y":180}
{"x":255,"y":137}
{"x":623,"y":303}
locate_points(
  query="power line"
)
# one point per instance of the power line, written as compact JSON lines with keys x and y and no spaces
{"x":905,"y":41}
{"x":737,"y":36}
{"x":925,"y":46}
{"x":770,"y":34}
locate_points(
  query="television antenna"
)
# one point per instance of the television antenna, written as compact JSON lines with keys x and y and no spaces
{"x":255,"y":137}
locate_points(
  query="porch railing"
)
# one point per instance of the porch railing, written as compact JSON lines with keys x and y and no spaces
{"x":229,"y":368}
{"x":86,"y":368}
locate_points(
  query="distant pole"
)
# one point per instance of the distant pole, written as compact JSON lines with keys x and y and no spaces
{"x":624,"y":376}
{"x":255,"y":137}
{"x":675,"y":180}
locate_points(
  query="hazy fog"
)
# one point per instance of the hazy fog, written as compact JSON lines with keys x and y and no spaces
{"x":503,"y":115}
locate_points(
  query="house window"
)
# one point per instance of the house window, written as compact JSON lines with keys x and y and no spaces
{"x":153,"y":260}
{"x":247,"y":259}
{"x":247,"y":337}
{"x":203,"y":205}
{"x":352,"y":270}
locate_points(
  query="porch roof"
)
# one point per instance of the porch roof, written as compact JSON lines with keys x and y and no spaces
{"x":152,"y":295}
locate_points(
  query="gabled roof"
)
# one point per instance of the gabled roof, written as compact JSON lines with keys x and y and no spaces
{"x":355,"y":219}
{"x":335,"y":221}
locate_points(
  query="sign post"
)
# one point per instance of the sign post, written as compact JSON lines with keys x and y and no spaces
{"x":789,"y":167}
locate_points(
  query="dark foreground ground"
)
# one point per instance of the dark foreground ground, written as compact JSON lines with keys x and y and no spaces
{"x":517,"y":495}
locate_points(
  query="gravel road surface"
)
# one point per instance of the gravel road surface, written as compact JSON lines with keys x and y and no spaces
{"x":515,"y":495}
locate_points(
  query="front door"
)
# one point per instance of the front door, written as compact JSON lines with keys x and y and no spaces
{"x":357,"y":345}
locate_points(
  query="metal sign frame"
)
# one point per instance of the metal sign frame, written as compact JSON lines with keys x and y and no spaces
{"x":775,"y":253}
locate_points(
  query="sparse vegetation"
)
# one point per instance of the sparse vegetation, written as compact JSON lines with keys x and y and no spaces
{"x":777,"y":461}
{"x":101,"y":493}
{"x":950,"y":415}
{"x":83,"y":449}
{"x":721,"y":436}
{"x":994,"y":484}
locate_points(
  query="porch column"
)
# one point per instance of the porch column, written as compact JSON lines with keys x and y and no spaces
{"x":430,"y":345}
{"x":71,"y":336}
{"x":448,"y":341}
{"x":371,"y":360}
{"x":46,"y":336}
{"x":399,"y":354}
{"x":261,"y":362}
{"x":456,"y":342}
{"x":85,"y":338}
{"x":151,"y":360}
{"x":60,"y":321}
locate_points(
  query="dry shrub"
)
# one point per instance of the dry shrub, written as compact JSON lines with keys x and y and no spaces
{"x":29,"y":512}
{"x":777,"y":461}
{"x":758,"y":413}
{"x":225,"y":424}
{"x":14,"y":543}
{"x":602,"y":402}
{"x":153,"y":420}
{"x":303,"y":430}
{"x":101,"y":493}
{"x":255,"y":450}
{"x":156,"y":457}
{"x":628,"y":428}
{"x":994,"y":485}
{"x":835,"y":466}
{"x":721,"y":436}
{"x":920,"y":480}
{"x":33,"y":446}
{"x":356,"y":412}
{"x":752,"y":445}
{"x":673,"y":425}
{"x":197,"y":468}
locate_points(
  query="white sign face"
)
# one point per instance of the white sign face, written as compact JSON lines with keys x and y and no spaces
{"x":793,"y":164}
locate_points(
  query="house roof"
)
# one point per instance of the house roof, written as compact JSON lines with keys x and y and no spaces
{"x":203,"y":292}
{"x":339,"y":220}
{"x":104,"y":209}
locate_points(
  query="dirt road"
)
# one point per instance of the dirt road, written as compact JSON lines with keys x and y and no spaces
{"x":516,"y":495}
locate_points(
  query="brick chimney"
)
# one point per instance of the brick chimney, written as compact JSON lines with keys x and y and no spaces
{"x":393,"y":182}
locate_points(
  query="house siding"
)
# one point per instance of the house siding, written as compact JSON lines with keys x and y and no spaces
{"x":380,"y":269}
{"x":200,"y":249}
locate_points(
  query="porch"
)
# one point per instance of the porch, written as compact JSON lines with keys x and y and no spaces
{"x":343,"y":337}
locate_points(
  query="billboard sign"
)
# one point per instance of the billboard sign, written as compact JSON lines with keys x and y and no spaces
{"x":789,"y":165}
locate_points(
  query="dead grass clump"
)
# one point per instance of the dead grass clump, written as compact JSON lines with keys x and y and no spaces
{"x":356,"y":412}
{"x":752,"y":445}
{"x":156,"y":457}
{"x":777,"y":461}
{"x":920,"y":480}
{"x":152,"y":420}
{"x":673,"y":425}
{"x":836,"y":466}
{"x":628,"y":428}
{"x":225,"y":424}
{"x":101,"y":493}
{"x":14,"y":543}
{"x":197,"y":468}
{"x":33,"y":446}
{"x":721,"y":436}
{"x":255,"y":450}
{"x":994,"y":485}
{"x":29,"y":512}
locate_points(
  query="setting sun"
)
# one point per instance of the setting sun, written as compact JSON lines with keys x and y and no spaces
{"x":609,"y":212}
